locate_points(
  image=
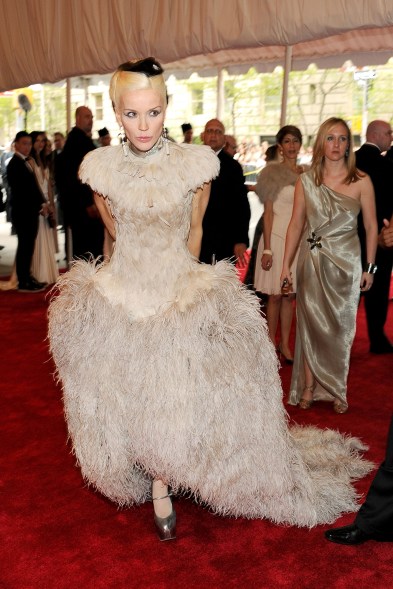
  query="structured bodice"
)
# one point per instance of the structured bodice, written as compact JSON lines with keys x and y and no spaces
{"x":151,"y":201}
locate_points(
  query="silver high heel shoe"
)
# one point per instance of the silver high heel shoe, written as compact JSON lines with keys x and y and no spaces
{"x":165,"y":526}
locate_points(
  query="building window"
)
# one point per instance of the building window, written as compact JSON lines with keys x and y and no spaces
{"x":197,"y":101}
{"x":98,"y":107}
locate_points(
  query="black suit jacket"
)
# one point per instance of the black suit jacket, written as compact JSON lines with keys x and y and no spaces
{"x":228,"y":213}
{"x":380,"y":170}
{"x":75,"y":197}
{"x":27,"y":198}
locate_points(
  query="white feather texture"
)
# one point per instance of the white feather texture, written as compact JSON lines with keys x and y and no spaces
{"x":168,"y":370}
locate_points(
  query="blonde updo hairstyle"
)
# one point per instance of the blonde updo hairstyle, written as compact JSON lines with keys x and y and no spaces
{"x":137,"y":75}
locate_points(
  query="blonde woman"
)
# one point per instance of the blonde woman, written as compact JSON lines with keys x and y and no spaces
{"x":170,"y":379}
{"x":328,"y":199}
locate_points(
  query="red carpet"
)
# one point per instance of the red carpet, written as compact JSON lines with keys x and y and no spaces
{"x":58,"y":534}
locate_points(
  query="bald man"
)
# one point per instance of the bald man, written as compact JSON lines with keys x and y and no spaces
{"x":225,"y":224}
{"x":369,"y":158}
{"x":80,"y":212}
{"x":230,"y":145}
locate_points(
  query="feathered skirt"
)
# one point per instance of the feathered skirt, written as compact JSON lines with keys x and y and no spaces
{"x":192,"y":396}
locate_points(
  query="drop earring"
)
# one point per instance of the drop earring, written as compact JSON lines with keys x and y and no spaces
{"x":123,"y":140}
{"x":165,"y":139}
{"x":347,"y":153}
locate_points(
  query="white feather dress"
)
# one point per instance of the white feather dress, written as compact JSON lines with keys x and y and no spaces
{"x":167,"y":367}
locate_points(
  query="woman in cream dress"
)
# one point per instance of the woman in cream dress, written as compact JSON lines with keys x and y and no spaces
{"x":168,"y":372}
{"x":328,"y":199}
{"x":44,"y":264}
{"x":275,"y":188}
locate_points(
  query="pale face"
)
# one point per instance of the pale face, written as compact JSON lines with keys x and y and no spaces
{"x":290,"y":147}
{"x":336,"y":143}
{"x":84,"y":120}
{"x":384,"y":138}
{"x":58,"y":141}
{"x":214,"y":135}
{"x":142,"y":114}
{"x":23,"y":146}
{"x":230,"y":145}
{"x":39,"y":143}
{"x":48,"y":147}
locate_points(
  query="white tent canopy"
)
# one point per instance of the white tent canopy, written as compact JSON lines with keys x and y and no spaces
{"x":362,"y":47}
{"x":49,"y":40}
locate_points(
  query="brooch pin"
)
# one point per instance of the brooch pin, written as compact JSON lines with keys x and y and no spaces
{"x":314,"y":241}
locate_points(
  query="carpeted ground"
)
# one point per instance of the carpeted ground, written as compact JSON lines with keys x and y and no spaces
{"x":57,"y":534}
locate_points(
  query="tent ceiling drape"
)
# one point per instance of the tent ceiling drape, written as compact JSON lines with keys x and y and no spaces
{"x":49,"y":40}
{"x":362,"y":47}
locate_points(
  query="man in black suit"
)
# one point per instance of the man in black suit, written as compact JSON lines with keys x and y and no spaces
{"x":227,"y":217}
{"x":27,"y":201}
{"x":369,"y":158}
{"x":80,"y":212}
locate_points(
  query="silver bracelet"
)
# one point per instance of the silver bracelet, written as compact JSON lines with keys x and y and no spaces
{"x":267,"y":252}
{"x":371,"y":268}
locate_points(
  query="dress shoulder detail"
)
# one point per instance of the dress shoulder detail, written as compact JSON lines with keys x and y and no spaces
{"x":189,"y":165}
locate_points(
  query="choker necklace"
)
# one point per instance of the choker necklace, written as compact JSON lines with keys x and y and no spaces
{"x":142,"y":154}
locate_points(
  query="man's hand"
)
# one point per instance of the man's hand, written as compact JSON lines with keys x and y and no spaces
{"x":385,"y":238}
{"x":239,"y":250}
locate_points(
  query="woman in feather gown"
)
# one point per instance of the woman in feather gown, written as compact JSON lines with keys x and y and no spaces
{"x":168,"y":371}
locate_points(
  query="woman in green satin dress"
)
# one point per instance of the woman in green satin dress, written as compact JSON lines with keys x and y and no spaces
{"x":327,"y":202}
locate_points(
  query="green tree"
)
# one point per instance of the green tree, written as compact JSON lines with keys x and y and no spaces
{"x":7,"y":119}
{"x":241,"y":98}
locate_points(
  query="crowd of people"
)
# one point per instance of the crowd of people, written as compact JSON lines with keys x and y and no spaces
{"x":42,"y":197}
{"x":28,"y":178}
{"x":155,"y":229}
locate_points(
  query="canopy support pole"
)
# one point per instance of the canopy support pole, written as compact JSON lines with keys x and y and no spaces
{"x":68,"y":103}
{"x":220,"y":94}
{"x":284,"y":98}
